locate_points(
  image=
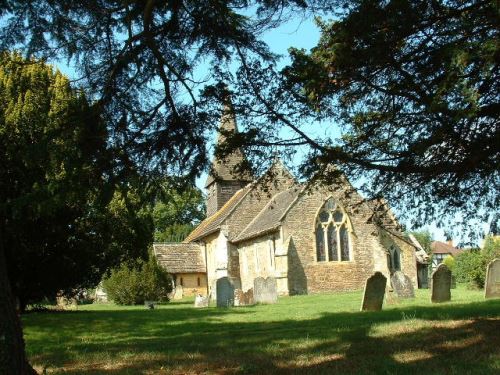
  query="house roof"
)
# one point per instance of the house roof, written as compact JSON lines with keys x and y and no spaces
{"x":180,"y":257}
{"x":226,"y":169}
{"x":213,"y":223}
{"x":270,"y":217}
{"x":439,"y":247}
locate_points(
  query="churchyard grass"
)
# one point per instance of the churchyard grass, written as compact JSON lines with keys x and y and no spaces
{"x":302,"y":334}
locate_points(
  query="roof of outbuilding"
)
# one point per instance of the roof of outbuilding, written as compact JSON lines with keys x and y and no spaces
{"x":270,"y":217}
{"x":213,"y":223}
{"x":180,"y":257}
{"x":439,"y":247}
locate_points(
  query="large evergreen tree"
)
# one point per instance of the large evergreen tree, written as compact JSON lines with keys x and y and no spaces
{"x":61,"y":223}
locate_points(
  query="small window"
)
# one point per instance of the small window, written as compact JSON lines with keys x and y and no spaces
{"x":226,"y":189}
{"x":182,"y":282}
{"x":199,"y":281}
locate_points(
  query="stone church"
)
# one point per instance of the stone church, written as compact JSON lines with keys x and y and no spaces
{"x":312,"y":238}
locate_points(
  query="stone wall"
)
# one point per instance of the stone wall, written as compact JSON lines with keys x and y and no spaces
{"x":210,"y":248}
{"x":219,"y":192}
{"x":306,"y":274}
{"x":192,"y":283}
{"x":407,"y":254}
{"x":256,"y":260}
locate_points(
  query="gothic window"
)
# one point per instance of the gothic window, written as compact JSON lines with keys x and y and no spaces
{"x":320,"y":243}
{"x":394,"y":259}
{"x":332,"y":234}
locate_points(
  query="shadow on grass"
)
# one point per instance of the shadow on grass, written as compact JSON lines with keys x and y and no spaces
{"x":432,"y":340}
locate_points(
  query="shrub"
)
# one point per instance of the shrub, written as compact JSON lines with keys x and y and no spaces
{"x":132,"y":284}
{"x":470,"y":267}
{"x":449,"y":261}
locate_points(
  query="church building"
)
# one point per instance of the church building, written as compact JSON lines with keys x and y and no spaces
{"x":311,"y":237}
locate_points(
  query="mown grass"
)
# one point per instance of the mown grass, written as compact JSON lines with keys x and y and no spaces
{"x":302,"y":334}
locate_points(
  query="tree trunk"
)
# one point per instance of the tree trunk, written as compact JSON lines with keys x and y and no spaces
{"x":12,"y":355}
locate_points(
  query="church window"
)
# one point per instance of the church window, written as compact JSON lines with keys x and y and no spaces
{"x":256,"y":253}
{"x":396,"y":259}
{"x":271,"y":253}
{"x":182,"y":282}
{"x":332,"y":234}
{"x":199,"y":281}
{"x":320,"y":243}
{"x":226,"y":189}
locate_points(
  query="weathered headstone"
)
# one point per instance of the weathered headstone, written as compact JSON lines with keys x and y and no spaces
{"x":441,"y":284}
{"x":492,"y":281}
{"x":373,"y":296}
{"x":150,"y":304}
{"x":179,"y":292}
{"x":265,"y":290}
{"x":225,"y":292}
{"x":242,"y":298}
{"x":200,"y":301}
{"x":402,"y":285}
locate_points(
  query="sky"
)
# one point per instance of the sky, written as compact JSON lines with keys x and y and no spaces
{"x":299,"y":34}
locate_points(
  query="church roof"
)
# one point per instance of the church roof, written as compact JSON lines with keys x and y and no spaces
{"x":213,"y":223}
{"x":270,"y":217}
{"x":179,"y":257}
{"x":226,"y":169}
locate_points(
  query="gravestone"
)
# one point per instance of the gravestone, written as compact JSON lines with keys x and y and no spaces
{"x":150,"y":305}
{"x":200,"y":301}
{"x":265,"y":290}
{"x":441,"y":284}
{"x":492,"y":281}
{"x":373,"y":296}
{"x":402,"y":285}
{"x":178,"y":292}
{"x":225,"y":292}
{"x":242,"y":298}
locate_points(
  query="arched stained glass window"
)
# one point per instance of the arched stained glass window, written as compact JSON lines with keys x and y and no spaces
{"x":320,"y":244}
{"x":344,"y":243}
{"x":332,"y":234}
{"x":332,"y":242}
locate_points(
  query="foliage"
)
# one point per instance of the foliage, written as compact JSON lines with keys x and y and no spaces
{"x":424,"y":238}
{"x":62,"y":225}
{"x":471,"y":264}
{"x":136,"y":282}
{"x":449,"y":261}
{"x":177,"y":211}
{"x":132,"y":339}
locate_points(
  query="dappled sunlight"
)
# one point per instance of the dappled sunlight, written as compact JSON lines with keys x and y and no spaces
{"x":412,"y":356}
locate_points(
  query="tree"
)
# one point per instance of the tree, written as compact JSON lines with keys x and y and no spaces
{"x":424,"y":238}
{"x":61,"y":224}
{"x":177,"y":211}
{"x":415,"y":86}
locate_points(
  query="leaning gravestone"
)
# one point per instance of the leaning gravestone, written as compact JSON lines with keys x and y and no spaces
{"x":200,"y":301}
{"x":225,"y":292}
{"x":265,"y":290}
{"x":441,"y":284}
{"x":373,"y":297}
{"x":492,"y":281}
{"x":402,"y":285}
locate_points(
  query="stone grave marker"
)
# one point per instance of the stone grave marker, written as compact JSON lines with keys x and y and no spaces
{"x":373,"y":296}
{"x":225,"y":292}
{"x":178,"y":292}
{"x":441,"y":284}
{"x":265,"y":290}
{"x":200,"y":301}
{"x":492,"y":281}
{"x":242,"y":298}
{"x":402,"y":285}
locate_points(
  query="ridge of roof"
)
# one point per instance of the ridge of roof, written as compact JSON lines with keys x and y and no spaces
{"x":269,"y":218}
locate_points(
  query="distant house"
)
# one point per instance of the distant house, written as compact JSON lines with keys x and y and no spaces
{"x":441,"y":250}
{"x":186,"y":264}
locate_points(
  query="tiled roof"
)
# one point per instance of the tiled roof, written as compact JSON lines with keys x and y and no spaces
{"x":180,"y":257}
{"x":213,"y":223}
{"x":439,"y":247}
{"x":270,"y":217}
{"x":225,"y":169}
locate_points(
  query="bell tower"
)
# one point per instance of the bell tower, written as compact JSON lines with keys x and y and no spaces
{"x":223,"y":180}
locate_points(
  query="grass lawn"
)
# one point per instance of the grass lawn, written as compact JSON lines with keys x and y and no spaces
{"x":322,"y":334}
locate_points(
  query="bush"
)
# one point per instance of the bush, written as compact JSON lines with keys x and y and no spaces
{"x":470,"y":266}
{"x":132,"y":284}
{"x":449,"y":261}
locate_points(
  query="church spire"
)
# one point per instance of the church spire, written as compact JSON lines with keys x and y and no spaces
{"x":223,"y":179}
